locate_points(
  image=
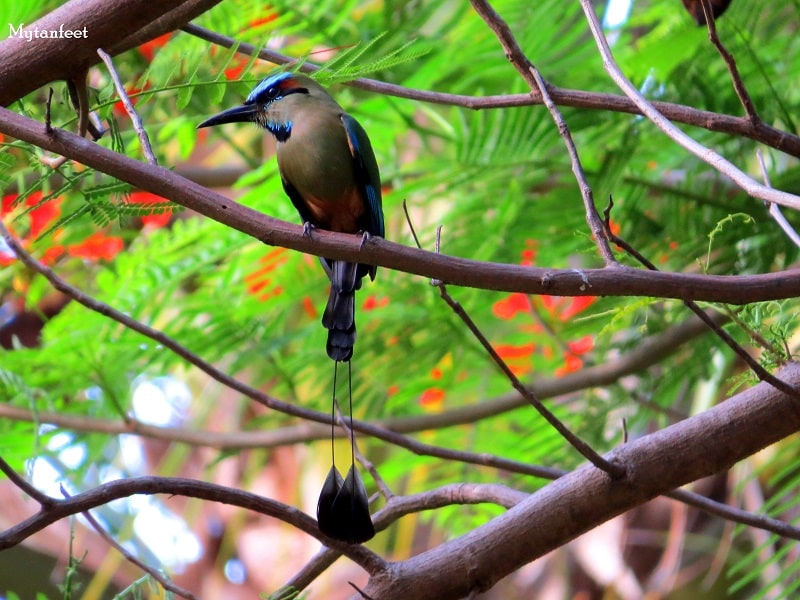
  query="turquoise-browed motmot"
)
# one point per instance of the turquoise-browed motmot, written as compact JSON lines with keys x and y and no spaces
{"x":329,"y":172}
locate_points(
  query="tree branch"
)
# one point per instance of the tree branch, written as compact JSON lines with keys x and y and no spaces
{"x":623,"y":281}
{"x":29,"y":64}
{"x":751,"y":362}
{"x":579,"y":501}
{"x":724,"y":166}
{"x":131,"y":558}
{"x":760,"y":132}
{"x":530,"y":74}
{"x":730,"y":62}
{"x":141,"y":133}
{"x":650,"y":351}
{"x":613,"y":469}
{"x":252,"y":393}
{"x":177,"y":486}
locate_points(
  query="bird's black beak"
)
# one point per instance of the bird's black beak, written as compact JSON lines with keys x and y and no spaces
{"x":238,"y":114}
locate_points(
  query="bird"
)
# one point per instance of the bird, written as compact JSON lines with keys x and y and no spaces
{"x":329,"y":172}
{"x":695,"y":8}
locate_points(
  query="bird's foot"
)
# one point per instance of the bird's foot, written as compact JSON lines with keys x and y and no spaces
{"x":307,"y":229}
{"x":365,"y":237}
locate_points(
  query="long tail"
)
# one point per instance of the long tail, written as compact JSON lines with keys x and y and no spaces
{"x":340,"y":313}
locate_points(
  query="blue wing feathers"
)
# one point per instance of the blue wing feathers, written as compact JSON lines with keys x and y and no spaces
{"x":367,"y":174}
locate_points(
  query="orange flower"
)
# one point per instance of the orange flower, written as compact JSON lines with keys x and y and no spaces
{"x":581,"y":346}
{"x":432,"y":398}
{"x":235,"y":68}
{"x":564,"y":308}
{"x":507,"y":308}
{"x":97,"y":246}
{"x":148,"y":49}
{"x":529,"y":254}
{"x":510,"y":352}
{"x":516,"y":357}
{"x":308,"y":307}
{"x":571,"y":364}
{"x":269,"y":17}
{"x":372,"y":302}
{"x":51,"y":254}
{"x":145,"y":198}
{"x":257,"y":280}
{"x":41,"y":217}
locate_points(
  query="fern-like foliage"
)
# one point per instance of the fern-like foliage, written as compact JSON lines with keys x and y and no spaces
{"x":500,"y":184}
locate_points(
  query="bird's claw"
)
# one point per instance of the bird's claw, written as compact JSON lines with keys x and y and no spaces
{"x":365,"y":237}
{"x":307,"y":229}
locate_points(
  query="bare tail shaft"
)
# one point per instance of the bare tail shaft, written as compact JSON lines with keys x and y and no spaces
{"x":340,"y":313}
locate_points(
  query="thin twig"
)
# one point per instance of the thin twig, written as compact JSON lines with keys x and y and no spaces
{"x":164,"y":581}
{"x":775,"y":210}
{"x":737,"y":515}
{"x":79,"y":95}
{"x":360,"y":591}
{"x":533,"y":78}
{"x":56,"y":161}
{"x":87,"y":119}
{"x":592,"y":216}
{"x":781,"y":140}
{"x":615,"y":471}
{"x":736,"y":78}
{"x":48,"y":120}
{"x":645,"y":355}
{"x":144,"y":140}
{"x":411,"y":224}
{"x":724,"y":166}
{"x":43,"y":499}
{"x":751,"y":362}
{"x":756,"y":336}
{"x":376,"y":431}
{"x":178,"y":486}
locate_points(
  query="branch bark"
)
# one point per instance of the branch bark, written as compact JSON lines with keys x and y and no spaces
{"x":647,"y":353}
{"x":27,"y":65}
{"x":622,"y":281}
{"x":697,"y":447}
{"x":706,"y":154}
{"x":680,"y":113}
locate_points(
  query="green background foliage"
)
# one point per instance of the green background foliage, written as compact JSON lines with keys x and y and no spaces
{"x":497,"y":181}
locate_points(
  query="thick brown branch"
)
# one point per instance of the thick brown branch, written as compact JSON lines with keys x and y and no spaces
{"x":456,"y":271}
{"x":116,"y":26}
{"x":697,"y":447}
